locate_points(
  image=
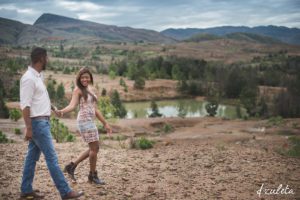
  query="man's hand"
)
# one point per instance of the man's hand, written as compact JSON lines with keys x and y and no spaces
{"x":28,"y":133}
{"x":58,"y":113}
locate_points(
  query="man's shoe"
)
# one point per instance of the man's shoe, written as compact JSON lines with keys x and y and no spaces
{"x":31,"y":195}
{"x":70,"y":169}
{"x":73,"y":195}
{"x":93,"y":178}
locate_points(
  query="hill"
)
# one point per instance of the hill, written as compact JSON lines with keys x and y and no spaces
{"x":10,"y":30}
{"x":284,"y":34}
{"x":55,"y":28}
{"x":248,"y":37}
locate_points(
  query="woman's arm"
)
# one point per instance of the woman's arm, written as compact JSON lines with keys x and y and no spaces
{"x":73,"y":103}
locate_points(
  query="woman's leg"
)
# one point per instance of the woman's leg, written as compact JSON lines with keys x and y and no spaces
{"x":84,"y":155}
{"x":93,"y":151}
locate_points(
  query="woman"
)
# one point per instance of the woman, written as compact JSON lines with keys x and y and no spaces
{"x":84,"y":96}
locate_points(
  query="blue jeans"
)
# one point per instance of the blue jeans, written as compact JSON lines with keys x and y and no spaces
{"x":42,"y":142}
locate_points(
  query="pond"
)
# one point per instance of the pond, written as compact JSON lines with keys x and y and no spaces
{"x":175,"y":108}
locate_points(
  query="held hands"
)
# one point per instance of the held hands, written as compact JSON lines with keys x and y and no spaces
{"x":59,"y":113}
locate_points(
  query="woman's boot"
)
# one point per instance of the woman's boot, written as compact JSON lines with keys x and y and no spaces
{"x":93,"y":178}
{"x":70,"y":169}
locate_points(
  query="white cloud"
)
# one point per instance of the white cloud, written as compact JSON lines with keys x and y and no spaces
{"x":159,"y":14}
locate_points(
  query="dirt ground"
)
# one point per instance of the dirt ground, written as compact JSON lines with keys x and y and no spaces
{"x":203,"y":158}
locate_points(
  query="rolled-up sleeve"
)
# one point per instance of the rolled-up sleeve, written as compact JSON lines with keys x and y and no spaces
{"x":26,"y":92}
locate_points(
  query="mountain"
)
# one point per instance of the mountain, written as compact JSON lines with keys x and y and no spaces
{"x":248,"y":37}
{"x":284,"y":34}
{"x":10,"y":30}
{"x":50,"y":27}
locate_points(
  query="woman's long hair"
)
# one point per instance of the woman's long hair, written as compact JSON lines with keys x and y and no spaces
{"x":83,"y":89}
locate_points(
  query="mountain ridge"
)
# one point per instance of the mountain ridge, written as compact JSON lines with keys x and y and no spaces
{"x":284,"y":34}
{"x":49,"y":26}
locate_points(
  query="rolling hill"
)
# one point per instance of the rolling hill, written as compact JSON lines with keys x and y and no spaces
{"x":284,"y":34}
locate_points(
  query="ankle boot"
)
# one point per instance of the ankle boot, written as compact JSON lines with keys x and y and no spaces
{"x":70,"y":169}
{"x":93,"y":178}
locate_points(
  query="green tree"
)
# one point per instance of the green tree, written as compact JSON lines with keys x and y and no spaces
{"x":120,"y":110}
{"x":139,"y":83}
{"x":51,"y":90}
{"x":211,"y":108}
{"x":248,"y":98}
{"x":155,"y":111}
{"x":234,"y":83}
{"x":106,"y":108}
{"x":14,"y":91}
{"x":4,"y":113}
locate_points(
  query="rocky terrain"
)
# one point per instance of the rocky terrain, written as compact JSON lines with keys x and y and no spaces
{"x":203,"y":158}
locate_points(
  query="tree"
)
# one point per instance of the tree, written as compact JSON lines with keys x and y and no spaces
{"x":51,"y":90}
{"x":248,"y":98}
{"x":120,"y":110}
{"x":211,"y":108}
{"x":4,"y":113}
{"x":139,"y":83}
{"x":234,"y":83}
{"x":14,"y":91}
{"x":155,"y":111}
{"x":105,"y":106}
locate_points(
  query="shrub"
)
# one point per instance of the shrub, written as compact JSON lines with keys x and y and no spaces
{"x":168,"y":128}
{"x":139,"y":83}
{"x":155,"y":110}
{"x":141,"y":143}
{"x":70,"y":138}
{"x":60,"y":132}
{"x":15,"y":114}
{"x":144,"y":143}
{"x":18,"y":131}
{"x":211,"y":108}
{"x":3,"y":138}
{"x":295,"y":150}
{"x":275,"y":121}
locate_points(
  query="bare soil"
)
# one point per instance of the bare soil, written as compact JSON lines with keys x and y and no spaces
{"x":203,"y":158}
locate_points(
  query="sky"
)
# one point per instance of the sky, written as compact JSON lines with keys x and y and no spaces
{"x":161,"y":14}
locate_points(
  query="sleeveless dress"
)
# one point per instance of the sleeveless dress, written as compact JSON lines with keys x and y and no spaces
{"x":85,"y":120}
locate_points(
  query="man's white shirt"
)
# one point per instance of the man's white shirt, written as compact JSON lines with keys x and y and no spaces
{"x":33,"y":93}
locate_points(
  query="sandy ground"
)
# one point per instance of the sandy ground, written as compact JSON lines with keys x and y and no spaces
{"x":203,"y":158}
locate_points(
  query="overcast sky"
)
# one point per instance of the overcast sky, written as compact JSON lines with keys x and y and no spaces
{"x":161,"y":14}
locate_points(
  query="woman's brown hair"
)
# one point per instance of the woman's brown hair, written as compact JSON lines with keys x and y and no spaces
{"x":83,"y":89}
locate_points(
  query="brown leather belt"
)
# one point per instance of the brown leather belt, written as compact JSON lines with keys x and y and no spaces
{"x":41,"y":117}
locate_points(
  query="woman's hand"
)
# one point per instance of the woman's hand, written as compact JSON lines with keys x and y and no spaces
{"x":59,"y":113}
{"x":108,"y":129}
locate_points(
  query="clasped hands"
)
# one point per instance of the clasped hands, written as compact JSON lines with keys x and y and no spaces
{"x":58,"y":113}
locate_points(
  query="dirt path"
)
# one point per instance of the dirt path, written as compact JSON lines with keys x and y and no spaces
{"x":204,"y":158}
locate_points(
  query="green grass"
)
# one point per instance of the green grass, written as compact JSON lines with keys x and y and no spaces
{"x":294,"y":148}
{"x":167,"y":128}
{"x":18,"y":131}
{"x":294,"y":151}
{"x":275,"y":121}
{"x":142,"y":143}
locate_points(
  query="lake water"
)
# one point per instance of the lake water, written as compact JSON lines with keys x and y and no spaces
{"x":172,"y":108}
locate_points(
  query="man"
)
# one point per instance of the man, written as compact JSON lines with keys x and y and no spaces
{"x":36,"y":109}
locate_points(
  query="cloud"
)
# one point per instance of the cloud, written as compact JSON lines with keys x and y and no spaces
{"x":159,"y":14}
